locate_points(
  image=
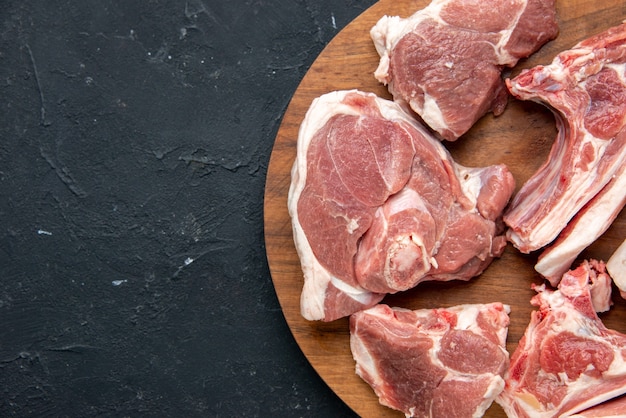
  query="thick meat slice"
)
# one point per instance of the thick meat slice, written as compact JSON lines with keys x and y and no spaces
{"x":567,"y":360}
{"x":378,"y":205}
{"x":583,"y":180}
{"x":445,"y":60}
{"x":432,"y":363}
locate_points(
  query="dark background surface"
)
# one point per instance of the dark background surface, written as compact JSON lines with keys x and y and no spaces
{"x":135,"y":139}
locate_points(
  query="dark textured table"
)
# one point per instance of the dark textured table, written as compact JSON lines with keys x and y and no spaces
{"x":135,"y":139}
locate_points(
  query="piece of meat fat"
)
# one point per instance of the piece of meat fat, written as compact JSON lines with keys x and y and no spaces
{"x":445,"y":60}
{"x":577,"y":193}
{"x":616,"y":266}
{"x":432,"y":362}
{"x":567,"y":361}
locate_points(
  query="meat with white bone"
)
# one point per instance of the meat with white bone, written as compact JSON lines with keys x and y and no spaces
{"x":584,"y":228}
{"x":567,"y":361}
{"x":582,"y":182}
{"x":446,"y":60}
{"x":378,"y":205}
{"x":432,"y":362}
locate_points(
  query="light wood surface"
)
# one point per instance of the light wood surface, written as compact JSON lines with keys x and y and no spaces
{"x":520,"y":138}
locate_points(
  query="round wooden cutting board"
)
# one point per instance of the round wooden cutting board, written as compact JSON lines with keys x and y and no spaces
{"x":520,"y":138}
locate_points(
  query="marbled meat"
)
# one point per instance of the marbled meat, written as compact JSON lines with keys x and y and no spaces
{"x":433,"y":362}
{"x":378,"y":205}
{"x":446,"y":60}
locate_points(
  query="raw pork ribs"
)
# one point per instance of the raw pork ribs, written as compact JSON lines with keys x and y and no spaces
{"x":378,"y":205}
{"x":446,"y":60}
{"x":567,"y":360}
{"x":575,"y":196}
{"x":432,"y":363}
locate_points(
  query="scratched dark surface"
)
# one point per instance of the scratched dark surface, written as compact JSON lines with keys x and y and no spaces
{"x":134,"y":142}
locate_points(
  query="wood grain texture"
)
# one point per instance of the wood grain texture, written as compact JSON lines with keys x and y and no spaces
{"x":520,"y":138}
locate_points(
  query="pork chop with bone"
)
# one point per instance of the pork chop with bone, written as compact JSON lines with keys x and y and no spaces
{"x":578,"y":192}
{"x":567,"y":361}
{"x":446,"y":60}
{"x":378,"y":205}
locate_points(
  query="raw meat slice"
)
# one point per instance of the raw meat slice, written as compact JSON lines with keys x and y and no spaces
{"x":616,"y":266}
{"x":432,"y":362}
{"x":567,"y":360}
{"x":378,"y":205}
{"x":582,"y":181}
{"x":445,"y":60}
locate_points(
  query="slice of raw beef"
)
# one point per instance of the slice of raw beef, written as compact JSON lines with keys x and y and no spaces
{"x":567,"y":361}
{"x":432,"y":362}
{"x":378,"y":205}
{"x":582,"y":182}
{"x":445,"y":60}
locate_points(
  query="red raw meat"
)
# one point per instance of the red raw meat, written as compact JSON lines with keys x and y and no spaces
{"x":432,"y":363}
{"x":578,"y":192}
{"x":567,"y":361}
{"x":445,"y":60}
{"x":378,"y":205}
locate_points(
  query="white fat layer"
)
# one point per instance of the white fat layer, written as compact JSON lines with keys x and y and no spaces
{"x":470,"y":180}
{"x":588,"y":383}
{"x":496,"y":386}
{"x":466,"y":319}
{"x":616,"y":266}
{"x":504,"y":57}
{"x":364,"y":360}
{"x":316,"y":282}
{"x":353,"y":225}
{"x":431,"y":113}
{"x":386,"y":34}
{"x":357,"y":293}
